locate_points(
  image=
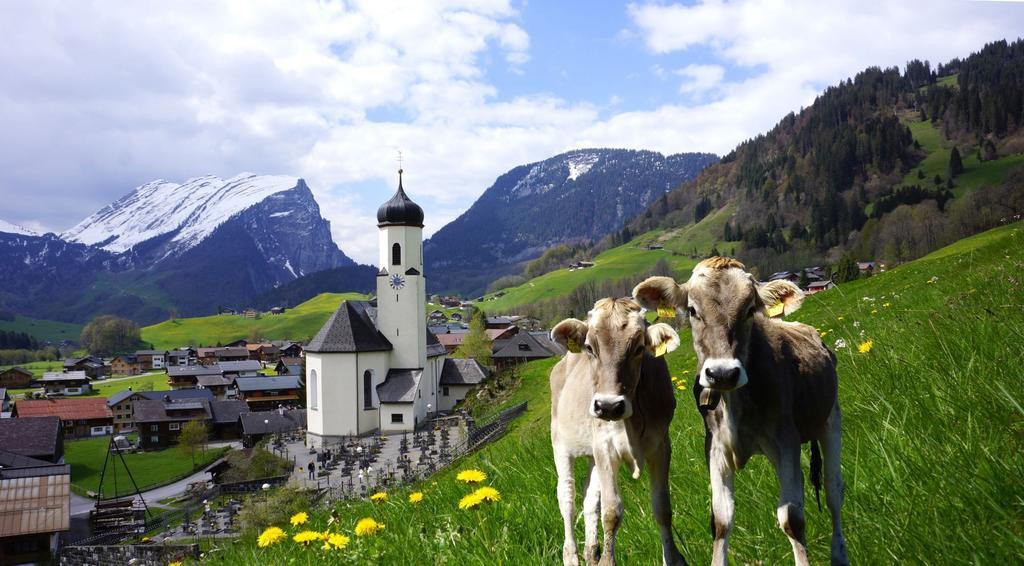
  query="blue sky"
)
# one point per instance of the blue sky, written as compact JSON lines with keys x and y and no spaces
{"x":98,"y":98}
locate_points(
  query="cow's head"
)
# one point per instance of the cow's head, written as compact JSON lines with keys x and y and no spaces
{"x":614,"y":339}
{"x":722,"y":302}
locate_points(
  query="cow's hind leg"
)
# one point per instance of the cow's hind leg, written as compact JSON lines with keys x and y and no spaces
{"x":566,"y":504}
{"x":831,"y":444}
{"x":592,"y":515}
{"x":791,"y":497}
{"x":661,"y":503}
{"x":722,"y":506}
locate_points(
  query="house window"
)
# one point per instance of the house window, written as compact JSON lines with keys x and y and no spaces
{"x":397,"y":418}
{"x":174,"y":426}
{"x":367,"y":389}
{"x":154,"y":428}
{"x":396,"y":254}
{"x":444,"y":391}
{"x":314,"y":398}
{"x":154,"y":439}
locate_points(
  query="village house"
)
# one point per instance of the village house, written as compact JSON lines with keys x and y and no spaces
{"x":451,"y":341}
{"x":267,"y":393}
{"x":458,"y":378}
{"x":245,"y":368}
{"x":264,"y":352}
{"x":219,"y":385}
{"x":125,"y":364}
{"x":41,"y":438}
{"x":819,"y":286}
{"x":35,"y":507}
{"x":15,"y":378}
{"x":151,"y":359}
{"x":374,"y":366}
{"x":159,"y":421}
{"x":122,"y":403}
{"x":80,"y":418}
{"x":289,"y":366}
{"x":289,"y":349}
{"x":523,"y":347}
{"x":257,"y":425}
{"x":277,"y":310}
{"x":69,"y":383}
{"x":182,"y":357}
{"x":223,"y":354}
{"x":92,"y":366}
{"x":226,"y":423}
{"x":186,"y":377}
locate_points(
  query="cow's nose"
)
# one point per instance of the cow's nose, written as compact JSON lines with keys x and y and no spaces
{"x":609,"y":409}
{"x":726,"y":377}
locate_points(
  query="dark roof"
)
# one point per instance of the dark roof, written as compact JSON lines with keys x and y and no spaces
{"x":213,"y":380}
{"x":228,"y":411}
{"x":522,"y":346}
{"x":37,"y":437}
{"x":462,"y":371}
{"x":242,"y":365}
{"x":550,"y":345}
{"x":434,"y":347}
{"x":270,"y":422}
{"x":158,"y":395}
{"x":266,"y":383}
{"x":290,"y":361}
{"x":155,"y":411}
{"x":14,"y":465}
{"x":350,"y":329}
{"x":16,"y":370}
{"x":400,"y":210}
{"x":150,"y":352}
{"x":400,"y":386}
{"x":183,"y":371}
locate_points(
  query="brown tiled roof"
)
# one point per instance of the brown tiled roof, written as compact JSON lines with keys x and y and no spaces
{"x":66,"y":409}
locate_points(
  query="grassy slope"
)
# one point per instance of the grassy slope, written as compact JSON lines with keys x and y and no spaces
{"x":622,"y":261}
{"x":150,"y":469}
{"x":299,"y":323}
{"x":933,"y":454}
{"x":43,"y":329}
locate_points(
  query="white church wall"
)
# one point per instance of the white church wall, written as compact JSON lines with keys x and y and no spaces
{"x":405,"y":410}
{"x":456,"y":393}
{"x":377,"y":363}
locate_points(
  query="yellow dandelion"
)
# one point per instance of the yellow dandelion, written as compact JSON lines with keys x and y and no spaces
{"x":865,"y":347}
{"x":335,"y":541}
{"x":488,"y":493}
{"x":273,"y":535}
{"x":886,"y":305}
{"x":306,"y":537}
{"x":379,"y":497}
{"x":681,"y":387}
{"x":470,"y":501}
{"x":471,"y":476}
{"x":416,"y":497}
{"x":874,"y":311}
{"x":686,"y":371}
{"x":368,"y":526}
{"x":299,"y":518}
{"x":839,"y":318}
{"x":175,"y":563}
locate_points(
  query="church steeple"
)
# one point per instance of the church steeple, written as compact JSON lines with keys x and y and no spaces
{"x":400,"y":210}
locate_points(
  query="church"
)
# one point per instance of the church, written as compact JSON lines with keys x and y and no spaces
{"x":374,"y":367}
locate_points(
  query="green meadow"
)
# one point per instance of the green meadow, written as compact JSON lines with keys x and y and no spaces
{"x":933,"y":451}
{"x":299,"y":323}
{"x":49,"y":330}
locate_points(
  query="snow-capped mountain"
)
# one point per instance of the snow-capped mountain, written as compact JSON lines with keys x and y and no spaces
{"x":188,"y":246}
{"x":577,"y":196}
{"x":9,"y":228}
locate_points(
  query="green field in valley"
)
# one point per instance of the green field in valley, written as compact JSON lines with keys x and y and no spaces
{"x":933,"y":449}
{"x":43,"y":330}
{"x":150,"y":469}
{"x":299,"y":323}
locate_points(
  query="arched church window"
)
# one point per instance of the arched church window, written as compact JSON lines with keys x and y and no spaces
{"x":396,"y":254}
{"x":368,"y":388}
{"x":314,"y":394}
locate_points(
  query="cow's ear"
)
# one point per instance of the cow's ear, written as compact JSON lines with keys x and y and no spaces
{"x":661,"y":339}
{"x":781,"y":291}
{"x":570,"y":333}
{"x":656,"y":292}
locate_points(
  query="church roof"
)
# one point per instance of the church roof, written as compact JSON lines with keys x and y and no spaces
{"x":434,"y":346}
{"x":400,"y":210}
{"x":350,"y":329}
{"x":400,"y":386}
{"x":462,"y":371}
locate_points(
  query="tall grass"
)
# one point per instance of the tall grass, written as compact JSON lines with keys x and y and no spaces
{"x":933,"y":433}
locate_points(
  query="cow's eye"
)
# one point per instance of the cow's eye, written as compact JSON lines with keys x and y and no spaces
{"x":589,"y":349}
{"x":692,"y":312}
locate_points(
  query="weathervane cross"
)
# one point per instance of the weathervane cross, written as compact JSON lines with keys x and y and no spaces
{"x":399,"y":161}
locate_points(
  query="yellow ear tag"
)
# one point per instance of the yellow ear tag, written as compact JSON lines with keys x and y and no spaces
{"x":666,"y":312}
{"x":661,"y":349}
{"x":573,"y":346}
{"x":777,"y":310}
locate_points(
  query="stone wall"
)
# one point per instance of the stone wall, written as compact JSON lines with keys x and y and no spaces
{"x":142,"y":554}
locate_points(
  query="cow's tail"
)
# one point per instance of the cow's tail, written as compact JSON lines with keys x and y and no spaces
{"x":816,"y":471}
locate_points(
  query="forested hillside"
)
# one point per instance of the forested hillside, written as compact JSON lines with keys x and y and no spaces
{"x":886,"y":165}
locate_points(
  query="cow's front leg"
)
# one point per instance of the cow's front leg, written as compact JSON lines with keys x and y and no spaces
{"x":721,"y":503}
{"x":611,"y":503}
{"x":661,"y":503}
{"x":591,"y":515}
{"x":791,"y":497}
{"x":566,"y":504}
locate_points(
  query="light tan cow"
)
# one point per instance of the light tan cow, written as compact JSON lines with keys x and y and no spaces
{"x":612,"y":403}
{"x":765,"y":386}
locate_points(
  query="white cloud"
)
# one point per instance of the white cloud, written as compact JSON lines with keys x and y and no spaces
{"x":96,"y":100}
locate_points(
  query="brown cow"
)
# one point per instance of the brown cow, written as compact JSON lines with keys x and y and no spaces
{"x":766,"y":387}
{"x":612,"y":403}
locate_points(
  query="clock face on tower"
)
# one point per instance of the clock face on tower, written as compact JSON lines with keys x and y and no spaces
{"x":397,"y":281}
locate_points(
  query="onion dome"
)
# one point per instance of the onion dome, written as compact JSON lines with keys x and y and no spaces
{"x":400,"y":210}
